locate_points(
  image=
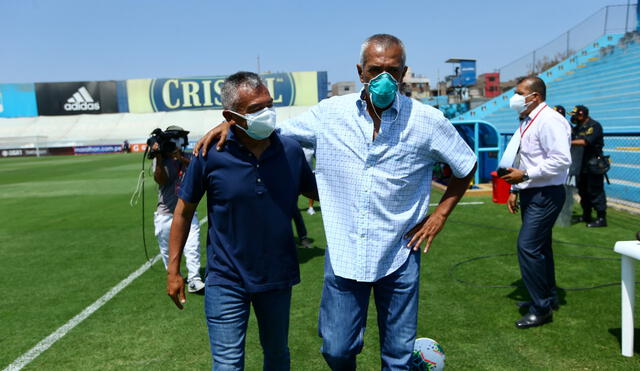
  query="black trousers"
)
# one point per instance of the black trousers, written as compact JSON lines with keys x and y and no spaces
{"x":591,"y":191}
{"x":539,"y":210}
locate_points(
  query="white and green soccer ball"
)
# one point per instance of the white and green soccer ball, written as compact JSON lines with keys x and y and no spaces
{"x":427,"y":355}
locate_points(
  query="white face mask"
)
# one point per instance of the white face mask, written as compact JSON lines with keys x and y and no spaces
{"x":517,"y":102}
{"x":259,"y":124}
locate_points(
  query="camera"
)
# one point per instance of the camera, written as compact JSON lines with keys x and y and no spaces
{"x":168,"y":141}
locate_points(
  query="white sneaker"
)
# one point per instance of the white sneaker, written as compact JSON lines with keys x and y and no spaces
{"x":195,"y":285}
{"x":311,"y":211}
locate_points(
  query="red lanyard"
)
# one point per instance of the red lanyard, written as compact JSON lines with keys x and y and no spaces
{"x":530,"y":122}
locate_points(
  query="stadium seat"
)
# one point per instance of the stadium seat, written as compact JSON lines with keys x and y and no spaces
{"x":608,"y":82}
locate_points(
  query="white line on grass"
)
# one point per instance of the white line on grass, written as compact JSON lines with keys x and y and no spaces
{"x":43,"y":345}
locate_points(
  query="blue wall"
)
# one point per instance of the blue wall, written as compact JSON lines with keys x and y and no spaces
{"x":18,"y":100}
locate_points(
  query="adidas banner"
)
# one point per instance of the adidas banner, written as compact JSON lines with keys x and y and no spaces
{"x":74,"y":98}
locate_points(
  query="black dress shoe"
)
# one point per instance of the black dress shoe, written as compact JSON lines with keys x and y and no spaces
{"x":533,"y":320}
{"x":527,"y":304}
{"x":600,"y":222}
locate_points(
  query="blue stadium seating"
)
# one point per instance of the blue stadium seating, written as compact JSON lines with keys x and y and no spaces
{"x":609,"y":85}
{"x":607,"y":81}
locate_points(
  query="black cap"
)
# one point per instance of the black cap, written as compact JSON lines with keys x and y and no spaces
{"x":580,"y":109}
{"x":560,"y":110}
{"x":176,"y":128}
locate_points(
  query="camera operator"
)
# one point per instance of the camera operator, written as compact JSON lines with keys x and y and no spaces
{"x":169,"y":166}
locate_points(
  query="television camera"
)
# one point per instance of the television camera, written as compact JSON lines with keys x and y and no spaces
{"x":168,"y":141}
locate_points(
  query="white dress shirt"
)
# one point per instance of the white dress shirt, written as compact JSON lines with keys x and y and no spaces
{"x":545,"y":148}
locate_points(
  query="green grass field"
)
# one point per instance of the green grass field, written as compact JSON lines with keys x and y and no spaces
{"x":68,"y":235}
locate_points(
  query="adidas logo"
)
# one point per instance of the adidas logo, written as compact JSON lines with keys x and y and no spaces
{"x":81,"y":101}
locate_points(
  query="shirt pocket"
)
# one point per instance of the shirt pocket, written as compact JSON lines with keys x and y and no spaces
{"x":530,"y":144}
{"x":399,"y":165}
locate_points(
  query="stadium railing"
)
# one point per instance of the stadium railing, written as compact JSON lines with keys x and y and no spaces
{"x":624,"y":175}
{"x":610,"y":19}
{"x":485,"y":141}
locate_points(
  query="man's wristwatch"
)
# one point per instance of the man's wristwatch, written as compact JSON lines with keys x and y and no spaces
{"x":525,"y":176}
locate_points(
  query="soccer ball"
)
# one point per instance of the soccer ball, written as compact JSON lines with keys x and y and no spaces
{"x":427,"y":356}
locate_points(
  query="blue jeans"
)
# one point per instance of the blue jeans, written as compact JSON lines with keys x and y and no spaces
{"x":227,"y":313}
{"x":343,"y":316}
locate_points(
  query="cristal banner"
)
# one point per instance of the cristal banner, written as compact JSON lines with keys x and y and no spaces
{"x":74,"y":98}
{"x":287,"y":89}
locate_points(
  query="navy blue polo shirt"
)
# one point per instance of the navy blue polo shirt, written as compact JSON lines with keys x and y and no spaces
{"x":250,"y":205}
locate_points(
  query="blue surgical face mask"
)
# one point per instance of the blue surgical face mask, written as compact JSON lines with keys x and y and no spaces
{"x":382,"y":90}
{"x":259,"y":124}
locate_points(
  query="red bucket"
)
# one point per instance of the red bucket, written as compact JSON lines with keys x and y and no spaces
{"x":500,"y":188}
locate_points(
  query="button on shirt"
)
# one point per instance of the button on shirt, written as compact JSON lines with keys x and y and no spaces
{"x":250,"y":204}
{"x":544,"y":148}
{"x":374,"y":191}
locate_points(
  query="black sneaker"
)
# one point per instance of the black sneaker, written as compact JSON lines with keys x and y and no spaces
{"x":600,"y":222}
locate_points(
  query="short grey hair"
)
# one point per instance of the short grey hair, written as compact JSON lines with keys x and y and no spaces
{"x":383,"y":40}
{"x":231,"y":85}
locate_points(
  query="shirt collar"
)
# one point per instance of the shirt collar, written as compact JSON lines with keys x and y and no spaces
{"x":533,"y":113}
{"x":362,"y":104}
{"x":231,"y":136}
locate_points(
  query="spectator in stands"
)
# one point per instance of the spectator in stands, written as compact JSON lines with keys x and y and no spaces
{"x":375,"y":152}
{"x":168,"y":172}
{"x":588,"y":135}
{"x":252,"y":191}
{"x":560,"y":110}
{"x":537,"y":177}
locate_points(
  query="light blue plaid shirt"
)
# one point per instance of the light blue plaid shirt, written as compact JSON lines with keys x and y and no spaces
{"x":374,"y":191}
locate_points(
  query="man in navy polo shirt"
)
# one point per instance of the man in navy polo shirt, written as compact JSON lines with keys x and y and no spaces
{"x":252,"y":189}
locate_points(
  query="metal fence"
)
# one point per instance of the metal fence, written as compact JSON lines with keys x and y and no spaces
{"x":608,"y":20}
{"x":624,"y":175}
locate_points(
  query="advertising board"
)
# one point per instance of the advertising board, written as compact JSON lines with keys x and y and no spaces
{"x":156,"y":95}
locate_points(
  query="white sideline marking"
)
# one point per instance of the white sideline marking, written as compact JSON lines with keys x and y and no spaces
{"x":43,"y":345}
{"x":202,"y":221}
{"x":464,"y":203}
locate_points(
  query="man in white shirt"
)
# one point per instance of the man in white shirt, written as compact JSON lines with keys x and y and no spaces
{"x":538,"y":174}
